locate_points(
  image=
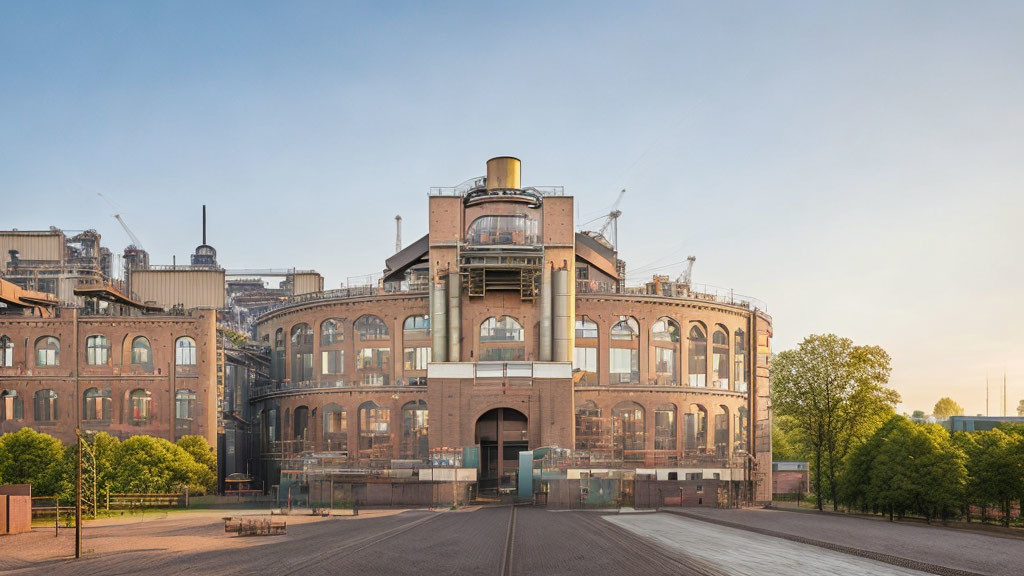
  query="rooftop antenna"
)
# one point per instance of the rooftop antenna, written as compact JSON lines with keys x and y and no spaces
{"x":398,"y":234}
{"x":204,"y":224}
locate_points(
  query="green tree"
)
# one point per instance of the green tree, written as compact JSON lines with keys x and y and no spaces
{"x":836,"y":394}
{"x":144,"y":464}
{"x":202,"y":453}
{"x":1020,"y":408}
{"x":995,"y":468}
{"x":786,"y":445}
{"x":945,"y":408}
{"x":29,"y":457}
{"x":918,"y":414}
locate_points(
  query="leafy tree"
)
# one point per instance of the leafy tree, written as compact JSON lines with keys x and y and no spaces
{"x":1020,"y":408}
{"x":786,"y":445}
{"x":29,"y":457}
{"x":835,"y":392}
{"x":202,"y":453}
{"x":918,"y":414}
{"x":144,"y":464}
{"x":945,"y":408}
{"x":995,"y":468}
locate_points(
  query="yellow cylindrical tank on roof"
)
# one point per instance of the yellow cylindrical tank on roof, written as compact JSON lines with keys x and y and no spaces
{"x":503,"y":172}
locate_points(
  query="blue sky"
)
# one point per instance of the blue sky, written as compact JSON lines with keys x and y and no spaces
{"x":858,"y":167}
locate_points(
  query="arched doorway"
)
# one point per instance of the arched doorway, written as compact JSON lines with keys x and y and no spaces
{"x":501,"y":433}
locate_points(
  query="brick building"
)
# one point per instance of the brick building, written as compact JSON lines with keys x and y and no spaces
{"x":506,"y":329}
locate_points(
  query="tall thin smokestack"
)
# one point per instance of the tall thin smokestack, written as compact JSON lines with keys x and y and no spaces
{"x":204,"y":223}
{"x":398,"y":234}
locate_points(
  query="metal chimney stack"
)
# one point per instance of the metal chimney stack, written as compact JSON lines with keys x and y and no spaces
{"x":398,"y":234}
{"x":204,"y":224}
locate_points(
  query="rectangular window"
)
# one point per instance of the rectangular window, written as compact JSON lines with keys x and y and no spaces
{"x":46,"y":357}
{"x":417,"y":358}
{"x":584,"y":359}
{"x":624,"y":365}
{"x":373,"y":359}
{"x":332,"y":362}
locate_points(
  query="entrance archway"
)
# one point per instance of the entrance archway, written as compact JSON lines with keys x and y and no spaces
{"x":501,"y":433}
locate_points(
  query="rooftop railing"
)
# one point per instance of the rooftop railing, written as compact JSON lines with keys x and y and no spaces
{"x":696,"y":292}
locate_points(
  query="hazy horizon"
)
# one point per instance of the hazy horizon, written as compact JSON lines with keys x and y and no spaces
{"x":857,"y":167}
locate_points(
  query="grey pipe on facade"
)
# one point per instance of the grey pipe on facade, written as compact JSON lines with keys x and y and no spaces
{"x":454,"y":317}
{"x":560,"y":313}
{"x":545,"y":315}
{"x":438,"y":322}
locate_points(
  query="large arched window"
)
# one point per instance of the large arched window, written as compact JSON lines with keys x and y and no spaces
{"x":45,"y":404}
{"x":184,"y":411}
{"x":511,"y":229}
{"x":278,"y":360}
{"x":665,"y":427}
{"x":142,"y":354}
{"x":722,"y":439}
{"x":417,"y":352}
{"x":371,"y":328}
{"x":6,"y":352}
{"x":720,"y":359}
{"x":695,"y":424}
{"x":300,"y":423}
{"x":139,"y":407}
{"x":97,"y":350}
{"x":185,"y":352}
{"x":501,"y":339}
{"x":97,"y":405}
{"x":628,"y":432}
{"x":332,"y":331}
{"x":584,"y":356}
{"x":10,"y":406}
{"x":739,"y":355}
{"x":592,"y":432}
{"x":665,"y":344}
{"x":624,"y":352}
{"x":335,"y":431}
{"x":374,"y":434}
{"x":302,"y":353}
{"x":415,"y":444}
{"x":698,"y":358}
{"x":47,"y":351}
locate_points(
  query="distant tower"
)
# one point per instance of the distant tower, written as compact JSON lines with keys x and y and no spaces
{"x":398,"y":234}
{"x":205,"y":254}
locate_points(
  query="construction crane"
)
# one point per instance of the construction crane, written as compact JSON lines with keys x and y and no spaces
{"x":135,"y":239}
{"x":613,"y":221}
{"x":686,"y":276}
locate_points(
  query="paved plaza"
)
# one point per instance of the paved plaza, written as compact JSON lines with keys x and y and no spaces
{"x":504,"y":541}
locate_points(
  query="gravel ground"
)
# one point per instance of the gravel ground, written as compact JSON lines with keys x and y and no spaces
{"x":959,"y":549}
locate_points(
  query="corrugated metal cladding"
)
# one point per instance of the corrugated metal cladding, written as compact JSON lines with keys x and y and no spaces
{"x":31,"y":246}
{"x":190,"y":288}
{"x":306,"y":283}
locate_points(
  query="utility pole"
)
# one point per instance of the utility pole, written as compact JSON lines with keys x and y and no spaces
{"x":78,"y":498}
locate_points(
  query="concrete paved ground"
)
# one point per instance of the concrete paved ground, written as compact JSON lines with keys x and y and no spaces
{"x":982,"y":552}
{"x":419,"y":542}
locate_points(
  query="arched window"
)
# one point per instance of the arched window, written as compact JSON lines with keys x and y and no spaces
{"x":417,"y":352}
{"x":628,"y":432}
{"x":740,"y":430}
{"x":185,"y":352}
{"x":584,"y":355}
{"x":139,"y":402}
{"x":301,"y":424}
{"x":142,"y":353}
{"x":511,"y":229}
{"x":10,"y":406}
{"x":624,"y":352}
{"x":695,"y":424}
{"x":45,"y":404}
{"x":371,"y":328}
{"x":698,"y":360}
{"x":720,"y":359}
{"x":335,"y":431}
{"x":501,"y":339}
{"x":6,"y":352}
{"x":722,"y":439}
{"x":374,"y":434}
{"x":415,"y":444}
{"x":302,"y":353}
{"x":332,"y":331}
{"x":97,"y":405}
{"x":47,"y":351}
{"x":184,"y":407}
{"x":665,"y":427}
{"x":592,"y":432}
{"x":277,"y":360}
{"x":665,"y":342}
{"x":97,"y":350}
{"x":739,"y":355}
